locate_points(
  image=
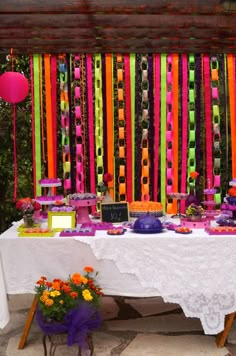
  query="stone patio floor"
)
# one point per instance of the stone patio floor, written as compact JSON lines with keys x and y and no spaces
{"x":131,"y":327}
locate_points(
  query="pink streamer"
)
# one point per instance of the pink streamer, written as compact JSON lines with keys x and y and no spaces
{"x":184,"y":127}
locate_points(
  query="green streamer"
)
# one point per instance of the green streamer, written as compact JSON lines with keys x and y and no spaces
{"x":132,"y":84}
{"x":36,"y":64}
{"x":98,"y":118}
{"x":163,"y":131}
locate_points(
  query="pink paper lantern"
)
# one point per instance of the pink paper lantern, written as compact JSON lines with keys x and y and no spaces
{"x":14,"y":87}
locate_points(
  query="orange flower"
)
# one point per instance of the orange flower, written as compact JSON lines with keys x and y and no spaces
{"x":43,"y":298}
{"x":76,"y":278}
{"x":40,"y":282}
{"x":74,"y":294}
{"x":88,"y":269}
{"x":57,"y":280}
{"x":56,"y":285}
{"x":193,"y":175}
{"x":49,"y":302}
{"x":48,"y":284}
{"x":84,"y":280}
{"x":43,"y":278}
{"x":66,"y":288}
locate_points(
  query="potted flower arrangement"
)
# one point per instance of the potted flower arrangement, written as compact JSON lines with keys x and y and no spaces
{"x":70,"y":306}
{"x":28,"y":206}
{"x":194,"y":212}
{"x":104,"y":188}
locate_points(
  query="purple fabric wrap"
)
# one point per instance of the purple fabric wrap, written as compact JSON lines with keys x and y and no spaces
{"x":77,"y":323}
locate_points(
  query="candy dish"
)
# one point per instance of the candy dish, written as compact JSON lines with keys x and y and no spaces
{"x":116,"y":231}
{"x":183,"y":230}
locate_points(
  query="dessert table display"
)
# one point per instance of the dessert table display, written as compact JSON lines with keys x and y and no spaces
{"x":194,"y":270}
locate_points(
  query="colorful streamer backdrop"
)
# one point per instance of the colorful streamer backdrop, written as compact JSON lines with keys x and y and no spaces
{"x":147,"y":119}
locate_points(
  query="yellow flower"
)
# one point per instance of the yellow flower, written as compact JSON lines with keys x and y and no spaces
{"x":55,"y":293}
{"x":46,"y":292}
{"x":87,"y":295}
{"x":49,"y":302}
{"x":61,"y":301}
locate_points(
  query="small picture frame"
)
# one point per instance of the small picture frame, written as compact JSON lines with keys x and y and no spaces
{"x":60,"y":220}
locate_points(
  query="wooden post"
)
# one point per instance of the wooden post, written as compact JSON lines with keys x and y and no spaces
{"x":221,"y":337}
{"x":28,"y":323}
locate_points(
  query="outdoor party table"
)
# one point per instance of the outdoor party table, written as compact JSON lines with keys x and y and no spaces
{"x":197,"y":271}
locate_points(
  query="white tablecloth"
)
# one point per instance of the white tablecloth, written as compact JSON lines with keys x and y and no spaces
{"x":196,"y":271}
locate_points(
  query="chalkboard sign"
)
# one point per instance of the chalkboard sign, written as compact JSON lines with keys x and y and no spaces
{"x":114,"y":212}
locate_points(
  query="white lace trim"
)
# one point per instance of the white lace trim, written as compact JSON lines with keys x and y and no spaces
{"x":197,"y":272}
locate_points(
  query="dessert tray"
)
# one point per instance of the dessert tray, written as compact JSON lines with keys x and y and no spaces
{"x":81,"y":231}
{"x":36,"y":232}
{"x":221,"y":230}
{"x":226,"y":221}
{"x":98,"y":225}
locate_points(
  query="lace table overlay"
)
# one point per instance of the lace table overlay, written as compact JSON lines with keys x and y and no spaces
{"x":197,"y":271}
{"x":211,"y":310}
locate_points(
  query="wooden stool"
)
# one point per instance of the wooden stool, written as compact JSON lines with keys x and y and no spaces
{"x":61,"y":339}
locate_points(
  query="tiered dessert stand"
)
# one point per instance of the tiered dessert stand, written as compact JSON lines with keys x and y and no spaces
{"x":209,"y":204}
{"x":49,"y":199}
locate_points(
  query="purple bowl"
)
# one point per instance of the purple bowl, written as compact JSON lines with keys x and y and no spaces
{"x":147,"y":223}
